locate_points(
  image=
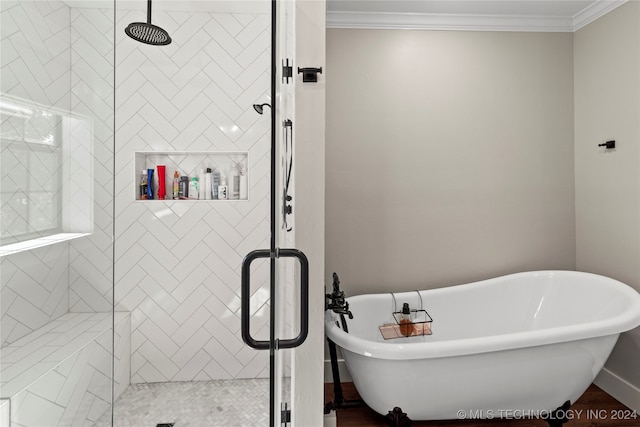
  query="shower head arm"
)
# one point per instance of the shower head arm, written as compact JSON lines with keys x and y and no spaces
{"x":260,"y":107}
{"x":148,"y":11}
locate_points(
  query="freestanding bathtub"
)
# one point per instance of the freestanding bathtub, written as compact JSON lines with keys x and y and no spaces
{"x":510,"y":347}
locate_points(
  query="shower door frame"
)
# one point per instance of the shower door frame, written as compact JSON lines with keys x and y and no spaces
{"x":278,"y":414}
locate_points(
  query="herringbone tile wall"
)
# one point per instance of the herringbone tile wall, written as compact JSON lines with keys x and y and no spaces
{"x":66,"y":383}
{"x":177,"y":265}
{"x":35,"y":66}
{"x":92,"y":80}
{"x":61,"y":57}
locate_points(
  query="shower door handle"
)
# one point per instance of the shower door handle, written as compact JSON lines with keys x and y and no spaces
{"x":245,"y":316}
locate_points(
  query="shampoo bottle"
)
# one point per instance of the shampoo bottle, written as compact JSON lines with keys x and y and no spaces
{"x":176,"y":185}
{"x":234,"y":183}
{"x":183,"y":192}
{"x":202,"y":186}
{"x":207,"y":185}
{"x":162,"y":182}
{"x":193,"y":188}
{"x":215,"y":183}
{"x":223,"y":189}
{"x":150,"y":184}
{"x":243,"y":182}
{"x":143,"y":184}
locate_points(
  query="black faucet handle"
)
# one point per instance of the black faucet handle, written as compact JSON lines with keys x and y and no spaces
{"x":338,"y":302}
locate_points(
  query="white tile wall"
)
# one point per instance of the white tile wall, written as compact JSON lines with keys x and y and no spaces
{"x":90,"y":259}
{"x":177,"y":262}
{"x":35,"y":66}
{"x":34,"y":290}
{"x":61,"y":374}
{"x":59,"y":57}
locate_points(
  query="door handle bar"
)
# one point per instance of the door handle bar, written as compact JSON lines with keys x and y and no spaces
{"x":245,"y":291}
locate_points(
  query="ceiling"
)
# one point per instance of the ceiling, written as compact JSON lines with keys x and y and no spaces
{"x":501,"y":15}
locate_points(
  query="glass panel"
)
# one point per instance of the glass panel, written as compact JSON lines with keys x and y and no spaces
{"x":188,"y":106}
{"x":56,"y":193}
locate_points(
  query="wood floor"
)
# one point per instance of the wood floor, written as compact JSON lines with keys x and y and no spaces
{"x":595,"y":408}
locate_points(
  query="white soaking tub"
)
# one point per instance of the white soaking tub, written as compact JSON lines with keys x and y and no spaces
{"x":512,"y":346}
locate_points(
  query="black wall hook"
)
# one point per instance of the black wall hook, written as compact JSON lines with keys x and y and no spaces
{"x":608,"y":145}
{"x":309,"y":74}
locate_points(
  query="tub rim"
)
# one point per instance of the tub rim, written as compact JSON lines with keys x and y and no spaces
{"x":622,"y":322}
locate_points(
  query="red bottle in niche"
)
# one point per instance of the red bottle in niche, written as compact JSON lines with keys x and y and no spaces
{"x":162,"y":188}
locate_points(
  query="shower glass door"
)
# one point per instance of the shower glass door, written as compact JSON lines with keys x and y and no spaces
{"x":288,"y":293}
{"x":188,"y":106}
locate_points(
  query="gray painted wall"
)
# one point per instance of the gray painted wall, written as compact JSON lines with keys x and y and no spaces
{"x":458,"y":156}
{"x":607,"y":106}
{"x":449,"y":156}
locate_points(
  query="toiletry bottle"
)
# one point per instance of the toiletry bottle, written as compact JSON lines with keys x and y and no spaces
{"x":406,"y":326}
{"x":243,"y":182}
{"x":183,"y":191}
{"x":222,"y":188}
{"x":150,"y":184}
{"x":201,"y":185}
{"x":193,"y":188}
{"x":176,"y":185}
{"x":162,"y":182}
{"x":234,"y":183}
{"x":207,"y":185}
{"x":215,"y":183}
{"x":143,"y":184}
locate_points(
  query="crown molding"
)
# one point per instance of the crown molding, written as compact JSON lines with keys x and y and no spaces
{"x":459,"y":22}
{"x":595,"y":11}
{"x":463,"y":22}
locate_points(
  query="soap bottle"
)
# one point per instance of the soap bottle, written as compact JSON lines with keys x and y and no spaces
{"x":243,"y":181}
{"x":183,"y":192}
{"x":162,"y":182}
{"x":176,"y":185}
{"x":202,"y":186}
{"x":234,"y":183}
{"x":208,"y":194}
{"x":215,"y":183}
{"x":143,"y":184}
{"x":406,"y":326}
{"x":150,"y":184}
{"x":193,"y":188}
{"x":223,"y":193}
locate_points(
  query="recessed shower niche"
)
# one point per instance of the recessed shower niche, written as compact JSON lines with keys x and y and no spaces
{"x":191,"y":175}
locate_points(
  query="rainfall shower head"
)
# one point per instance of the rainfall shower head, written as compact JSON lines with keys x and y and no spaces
{"x":260,"y":107}
{"x":146,"y":32}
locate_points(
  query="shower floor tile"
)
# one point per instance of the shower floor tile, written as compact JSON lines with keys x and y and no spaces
{"x":222,"y":403}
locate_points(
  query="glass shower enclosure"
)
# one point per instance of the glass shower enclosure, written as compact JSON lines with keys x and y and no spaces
{"x":115,"y":294}
{"x":56,"y":223}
